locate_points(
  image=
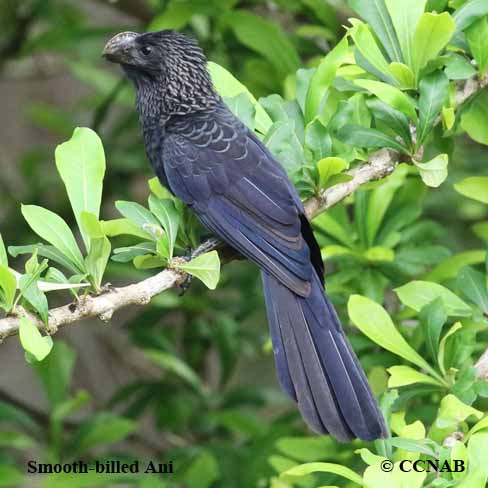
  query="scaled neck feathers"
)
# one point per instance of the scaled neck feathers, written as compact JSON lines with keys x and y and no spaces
{"x":174,"y":93}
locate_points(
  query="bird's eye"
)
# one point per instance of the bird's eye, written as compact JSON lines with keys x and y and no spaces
{"x":146,"y":50}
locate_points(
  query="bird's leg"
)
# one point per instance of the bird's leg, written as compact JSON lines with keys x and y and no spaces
{"x":207,"y":245}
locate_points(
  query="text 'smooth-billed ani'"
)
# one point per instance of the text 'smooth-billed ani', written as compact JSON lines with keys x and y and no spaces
{"x":209,"y":159}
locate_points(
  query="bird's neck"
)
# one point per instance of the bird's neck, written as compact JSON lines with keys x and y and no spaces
{"x":160,"y":99}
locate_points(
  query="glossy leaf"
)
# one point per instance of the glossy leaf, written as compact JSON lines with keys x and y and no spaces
{"x":166,"y":213}
{"x":434,"y":172}
{"x":81,"y":164}
{"x":205,"y":267}
{"x":405,"y":15}
{"x":373,"y":321}
{"x":32,"y":341}
{"x":417,"y":294}
{"x":477,"y":36}
{"x":8,"y":288}
{"x":475,"y":187}
{"x":475,"y":119}
{"x":228,"y":86}
{"x":323,"y":78}
{"x":391,"y":96}
{"x":433,"y":94}
{"x":376,"y":14}
{"x":357,"y":135}
{"x":473,"y":285}
{"x":431,"y":36}
{"x":53,"y":229}
{"x":433,"y":316}
{"x":405,"y":376}
{"x":266,"y":38}
{"x":469,"y":13}
{"x":3,"y":253}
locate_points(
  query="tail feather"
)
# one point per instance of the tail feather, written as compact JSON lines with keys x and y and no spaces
{"x":316,"y":365}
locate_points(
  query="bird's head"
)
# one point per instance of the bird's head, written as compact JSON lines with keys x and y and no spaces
{"x":166,"y":61}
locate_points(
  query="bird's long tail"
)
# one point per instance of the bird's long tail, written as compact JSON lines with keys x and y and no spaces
{"x":316,"y":365}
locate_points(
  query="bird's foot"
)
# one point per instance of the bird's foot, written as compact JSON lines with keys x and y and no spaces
{"x":207,"y":245}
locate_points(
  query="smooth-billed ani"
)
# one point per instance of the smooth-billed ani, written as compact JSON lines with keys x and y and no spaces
{"x":209,"y":159}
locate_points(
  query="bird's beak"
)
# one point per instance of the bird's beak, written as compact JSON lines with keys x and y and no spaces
{"x":117,"y":50}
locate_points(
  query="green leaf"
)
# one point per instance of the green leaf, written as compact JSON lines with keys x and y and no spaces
{"x":205,"y":267}
{"x":417,"y":294}
{"x":459,"y":68}
{"x":55,"y":372}
{"x":101,"y":429}
{"x":434,"y":172}
{"x":99,"y":248}
{"x":376,"y":14}
{"x":323,"y":78}
{"x":30,"y":291}
{"x":477,"y":36}
{"x":373,"y":321}
{"x":368,"y":48}
{"x":166,"y":213}
{"x":266,"y":38}
{"x":356,"y":135}
{"x":228,"y":86}
{"x":379,"y":254}
{"x":375,"y":476}
{"x":469,"y":13}
{"x":442,"y":346}
{"x":379,"y":201}
{"x":448,"y":117}
{"x":405,"y":15}
{"x":304,"y":448}
{"x":337,"y":469}
{"x":32,"y":341}
{"x":475,"y":119}
{"x":403,"y":74}
{"x":405,"y":375}
{"x":472,"y":284}
{"x":54,"y":230}
{"x":203,"y":472}
{"x":138,"y":215}
{"x":49,"y":252}
{"x":118,"y":227}
{"x":434,"y":90}
{"x":127,"y":254}
{"x":433,"y":317}
{"x":282,"y":140}
{"x":391,"y":96}
{"x":475,"y":187}
{"x":318,"y":140}
{"x":8,"y":288}
{"x":242,"y":107}
{"x":176,"y":366}
{"x":433,"y":33}
{"x":70,"y":406}
{"x":176,"y":15}
{"x":81,"y":164}
{"x":10,"y":476}
{"x":392,"y":118}
{"x":329,"y":167}
{"x":3,"y":253}
{"x":449,"y":268}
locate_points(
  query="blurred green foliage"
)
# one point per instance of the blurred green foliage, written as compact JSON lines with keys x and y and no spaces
{"x":406,"y":256}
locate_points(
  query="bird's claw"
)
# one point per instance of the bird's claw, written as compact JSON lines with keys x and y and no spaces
{"x":184,"y":287}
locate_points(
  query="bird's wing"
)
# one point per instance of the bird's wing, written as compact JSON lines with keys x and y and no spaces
{"x":241,"y":193}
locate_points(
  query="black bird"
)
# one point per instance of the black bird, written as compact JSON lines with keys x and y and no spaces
{"x":209,"y":159}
